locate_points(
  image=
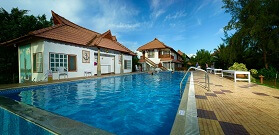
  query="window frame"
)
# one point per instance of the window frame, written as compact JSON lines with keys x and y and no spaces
{"x":71,"y":55}
{"x":126,"y":64}
{"x":153,"y":54}
{"x":35,"y":63}
{"x":55,"y":70}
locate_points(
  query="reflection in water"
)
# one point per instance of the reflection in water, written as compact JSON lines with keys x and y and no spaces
{"x":129,"y":104}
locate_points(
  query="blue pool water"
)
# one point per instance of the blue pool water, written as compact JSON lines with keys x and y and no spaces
{"x":129,"y":104}
{"x":11,"y":124}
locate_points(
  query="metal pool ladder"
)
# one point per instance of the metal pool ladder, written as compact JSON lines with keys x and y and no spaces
{"x":205,"y":76}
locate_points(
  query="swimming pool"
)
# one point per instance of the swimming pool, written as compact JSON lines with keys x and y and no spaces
{"x":128,"y":104}
{"x":9,"y":124}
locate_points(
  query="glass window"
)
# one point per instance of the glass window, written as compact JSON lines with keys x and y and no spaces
{"x":127,"y":64}
{"x":38,"y":62}
{"x":151,"y":54}
{"x":72,"y":65}
{"x":57,"y":60}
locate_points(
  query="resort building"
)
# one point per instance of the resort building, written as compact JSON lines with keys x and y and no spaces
{"x":74,"y":49}
{"x":156,"y":54}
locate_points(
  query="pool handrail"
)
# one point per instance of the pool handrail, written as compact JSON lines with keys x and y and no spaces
{"x":206,"y":76}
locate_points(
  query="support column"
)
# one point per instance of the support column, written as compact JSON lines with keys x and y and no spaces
{"x":122,"y":66}
{"x":99,"y":63}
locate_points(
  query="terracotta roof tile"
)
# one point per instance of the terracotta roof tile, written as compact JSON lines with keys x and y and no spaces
{"x":67,"y":31}
{"x":155,"y":44}
{"x":180,"y":53}
{"x":109,"y":44}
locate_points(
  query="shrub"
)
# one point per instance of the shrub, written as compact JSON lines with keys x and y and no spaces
{"x":254,"y":72}
{"x":269,"y":73}
{"x":238,"y":67}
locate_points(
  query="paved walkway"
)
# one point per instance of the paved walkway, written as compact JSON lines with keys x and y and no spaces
{"x":236,"y":108}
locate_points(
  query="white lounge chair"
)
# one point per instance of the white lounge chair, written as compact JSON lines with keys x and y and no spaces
{"x":233,"y":73}
{"x":62,"y":71}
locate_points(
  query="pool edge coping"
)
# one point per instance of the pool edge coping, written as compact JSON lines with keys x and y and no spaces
{"x":51,"y":122}
{"x":186,"y":120}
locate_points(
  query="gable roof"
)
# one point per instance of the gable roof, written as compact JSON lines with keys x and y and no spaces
{"x":180,"y":53}
{"x":67,"y":31}
{"x":154,"y":44}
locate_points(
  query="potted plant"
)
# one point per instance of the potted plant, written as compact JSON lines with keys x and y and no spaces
{"x":239,"y":67}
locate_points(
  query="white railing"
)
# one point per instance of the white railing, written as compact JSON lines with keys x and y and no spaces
{"x":206,"y":78}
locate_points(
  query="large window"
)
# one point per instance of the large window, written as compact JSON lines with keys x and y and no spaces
{"x":127,"y":64}
{"x":72,"y":63}
{"x":58,"y":60}
{"x":151,"y":54}
{"x":38,"y":62}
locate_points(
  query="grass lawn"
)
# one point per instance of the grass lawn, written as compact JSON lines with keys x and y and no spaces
{"x":269,"y":83}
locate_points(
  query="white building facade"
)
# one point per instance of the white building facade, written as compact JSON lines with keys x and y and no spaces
{"x":79,"y":51}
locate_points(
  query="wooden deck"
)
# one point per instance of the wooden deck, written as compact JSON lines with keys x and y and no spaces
{"x":236,"y":108}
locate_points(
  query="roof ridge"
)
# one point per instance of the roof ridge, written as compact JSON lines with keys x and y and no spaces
{"x":90,"y":41}
{"x":152,"y":41}
{"x":68,"y":21}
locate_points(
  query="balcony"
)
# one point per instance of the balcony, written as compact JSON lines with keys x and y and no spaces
{"x":166,"y":56}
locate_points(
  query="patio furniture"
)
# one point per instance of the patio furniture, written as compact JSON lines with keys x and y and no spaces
{"x":62,"y":71}
{"x":233,"y":73}
{"x":209,"y":70}
{"x":217,"y":71}
{"x":87,"y":73}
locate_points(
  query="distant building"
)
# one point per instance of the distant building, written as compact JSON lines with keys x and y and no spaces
{"x":72,"y":47}
{"x":156,"y":54}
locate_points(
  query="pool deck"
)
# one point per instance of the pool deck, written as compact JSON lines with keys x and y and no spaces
{"x":236,"y":108}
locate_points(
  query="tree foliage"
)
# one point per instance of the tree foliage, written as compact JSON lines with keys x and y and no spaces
{"x":202,"y":57}
{"x":18,"y":23}
{"x":14,"y":25}
{"x":256,"y":37}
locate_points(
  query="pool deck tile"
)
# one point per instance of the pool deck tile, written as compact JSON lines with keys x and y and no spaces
{"x":239,"y":110}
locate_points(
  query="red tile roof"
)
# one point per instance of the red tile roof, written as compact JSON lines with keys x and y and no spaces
{"x":155,"y":44}
{"x":66,"y":31}
{"x":180,"y":53}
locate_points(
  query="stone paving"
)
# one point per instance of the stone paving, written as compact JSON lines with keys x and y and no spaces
{"x":236,"y":108}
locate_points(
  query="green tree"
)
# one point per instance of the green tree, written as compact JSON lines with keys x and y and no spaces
{"x":135,"y":61}
{"x":14,"y":25}
{"x":185,"y":59}
{"x":256,"y":30}
{"x":202,"y":57}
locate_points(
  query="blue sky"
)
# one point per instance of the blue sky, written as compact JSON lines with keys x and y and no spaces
{"x":188,"y":25}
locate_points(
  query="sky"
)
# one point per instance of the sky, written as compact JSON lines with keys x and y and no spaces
{"x":187,"y":25}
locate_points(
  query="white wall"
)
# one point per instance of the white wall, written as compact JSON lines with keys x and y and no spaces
{"x":55,"y":47}
{"x":156,"y":59}
{"x":109,"y":59}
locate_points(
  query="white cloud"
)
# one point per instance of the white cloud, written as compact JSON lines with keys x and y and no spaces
{"x":202,"y":5}
{"x":69,"y":10}
{"x":178,"y":14}
{"x":191,"y":55}
{"x":178,"y":37}
{"x":159,"y":7}
{"x":113,"y":15}
{"x":219,"y":32}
